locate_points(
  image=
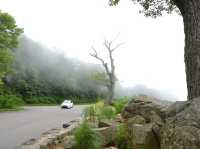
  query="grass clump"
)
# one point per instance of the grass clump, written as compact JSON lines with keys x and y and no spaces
{"x":90,"y":114}
{"x":86,"y":137}
{"x":122,"y":140}
{"x":119,"y":104}
{"x":108,"y":112}
{"x":99,"y":111}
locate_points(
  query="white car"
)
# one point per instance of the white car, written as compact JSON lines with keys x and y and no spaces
{"x":67,"y":104}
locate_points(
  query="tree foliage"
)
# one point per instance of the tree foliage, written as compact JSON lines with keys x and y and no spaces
{"x":153,"y":8}
{"x":9,"y":33}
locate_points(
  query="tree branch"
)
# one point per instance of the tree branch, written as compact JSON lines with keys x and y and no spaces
{"x":117,"y":46}
{"x":105,"y":65}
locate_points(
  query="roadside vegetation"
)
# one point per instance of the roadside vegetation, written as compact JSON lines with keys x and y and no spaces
{"x":10,"y":103}
{"x":101,"y":110}
{"x":90,"y":135}
{"x":86,"y":137}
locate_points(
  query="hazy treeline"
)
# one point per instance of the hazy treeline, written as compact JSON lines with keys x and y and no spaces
{"x":143,"y":90}
{"x":43,"y":75}
{"x":47,"y":75}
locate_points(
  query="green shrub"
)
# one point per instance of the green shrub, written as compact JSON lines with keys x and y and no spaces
{"x":57,"y":100}
{"x":41,"y":100}
{"x":122,"y":137}
{"x":119,"y":104}
{"x":93,"y":113}
{"x":99,"y":111}
{"x":10,"y":101}
{"x":83,"y":100}
{"x":108,"y":112}
{"x":86,"y":138}
{"x":90,"y":113}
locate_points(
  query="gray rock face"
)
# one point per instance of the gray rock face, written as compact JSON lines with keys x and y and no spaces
{"x":177,"y":107}
{"x":144,"y":120}
{"x":136,"y":120}
{"x":174,"y":127}
{"x":108,"y":134}
{"x":143,"y":137}
{"x":144,"y":107}
{"x":182,"y":128}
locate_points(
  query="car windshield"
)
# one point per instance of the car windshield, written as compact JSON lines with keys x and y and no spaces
{"x":66,"y":101}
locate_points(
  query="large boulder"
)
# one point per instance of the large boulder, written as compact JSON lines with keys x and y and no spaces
{"x":182,"y":127}
{"x":143,"y":137}
{"x":170,"y":127}
{"x":135,"y":120}
{"x":107,"y":134}
{"x":143,"y":106}
{"x":144,"y":119}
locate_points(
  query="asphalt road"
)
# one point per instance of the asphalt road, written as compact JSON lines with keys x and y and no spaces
{"x":18,"y":127}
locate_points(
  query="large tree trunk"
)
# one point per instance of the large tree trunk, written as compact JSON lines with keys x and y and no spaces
{"x":190,"y":10}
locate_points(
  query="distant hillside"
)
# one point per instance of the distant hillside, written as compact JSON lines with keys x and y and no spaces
{"x":40,"y":71}
{"x":143,"y":90}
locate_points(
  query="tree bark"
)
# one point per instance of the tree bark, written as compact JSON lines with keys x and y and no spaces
{"x":190,"y":10}
{"x":111,"y":88}
{"x":110,"y":71}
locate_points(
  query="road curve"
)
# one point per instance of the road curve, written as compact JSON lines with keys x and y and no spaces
{"x":18,"y":127}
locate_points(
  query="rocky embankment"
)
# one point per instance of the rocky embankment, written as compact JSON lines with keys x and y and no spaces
{"x":155,"y":126}
{"x":54,"y":139}
{"x":149,"y":125}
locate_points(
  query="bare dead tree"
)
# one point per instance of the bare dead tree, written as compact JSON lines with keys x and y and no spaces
{"x":110,"y":71}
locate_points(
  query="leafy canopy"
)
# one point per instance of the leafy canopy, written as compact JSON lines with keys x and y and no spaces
{"x":152,"y":8}
{"x":9,"y":33}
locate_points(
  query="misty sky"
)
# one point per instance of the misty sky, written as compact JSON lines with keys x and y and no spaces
{"x":153,"y":53}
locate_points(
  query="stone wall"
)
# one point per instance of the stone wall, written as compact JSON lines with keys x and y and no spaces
{"x":52,"y":139}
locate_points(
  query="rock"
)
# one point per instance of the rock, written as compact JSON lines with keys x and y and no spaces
{"x":143,"y":107}
{"x":52,"y":139}
{"x":182,"y":131}
{"x":143,"y":137}
{"x":69,"y":142}
{"x":144,"y":119}
{"x":108,"y":123}
{"x":105,"y":123}
{"x":136,"y":120}
{"x":65,"y":125}
{"x":177,"y":107}
{"x":30,"y":142}
{"x":108,"y":134}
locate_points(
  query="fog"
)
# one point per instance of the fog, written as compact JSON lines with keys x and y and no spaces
{"x":153,"y":53}
{"x":40,"y":70}
{"x":143,"y":90}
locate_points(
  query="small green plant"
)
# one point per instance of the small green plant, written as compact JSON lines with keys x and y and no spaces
{"x":86,"y":137}
{"x":99,"y":111}
{"x":108,"y":112}
{"x":90,"y":113}
{"x":119,"y":104}
{"x":94,"y":110}
{"x":122,"y":137}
